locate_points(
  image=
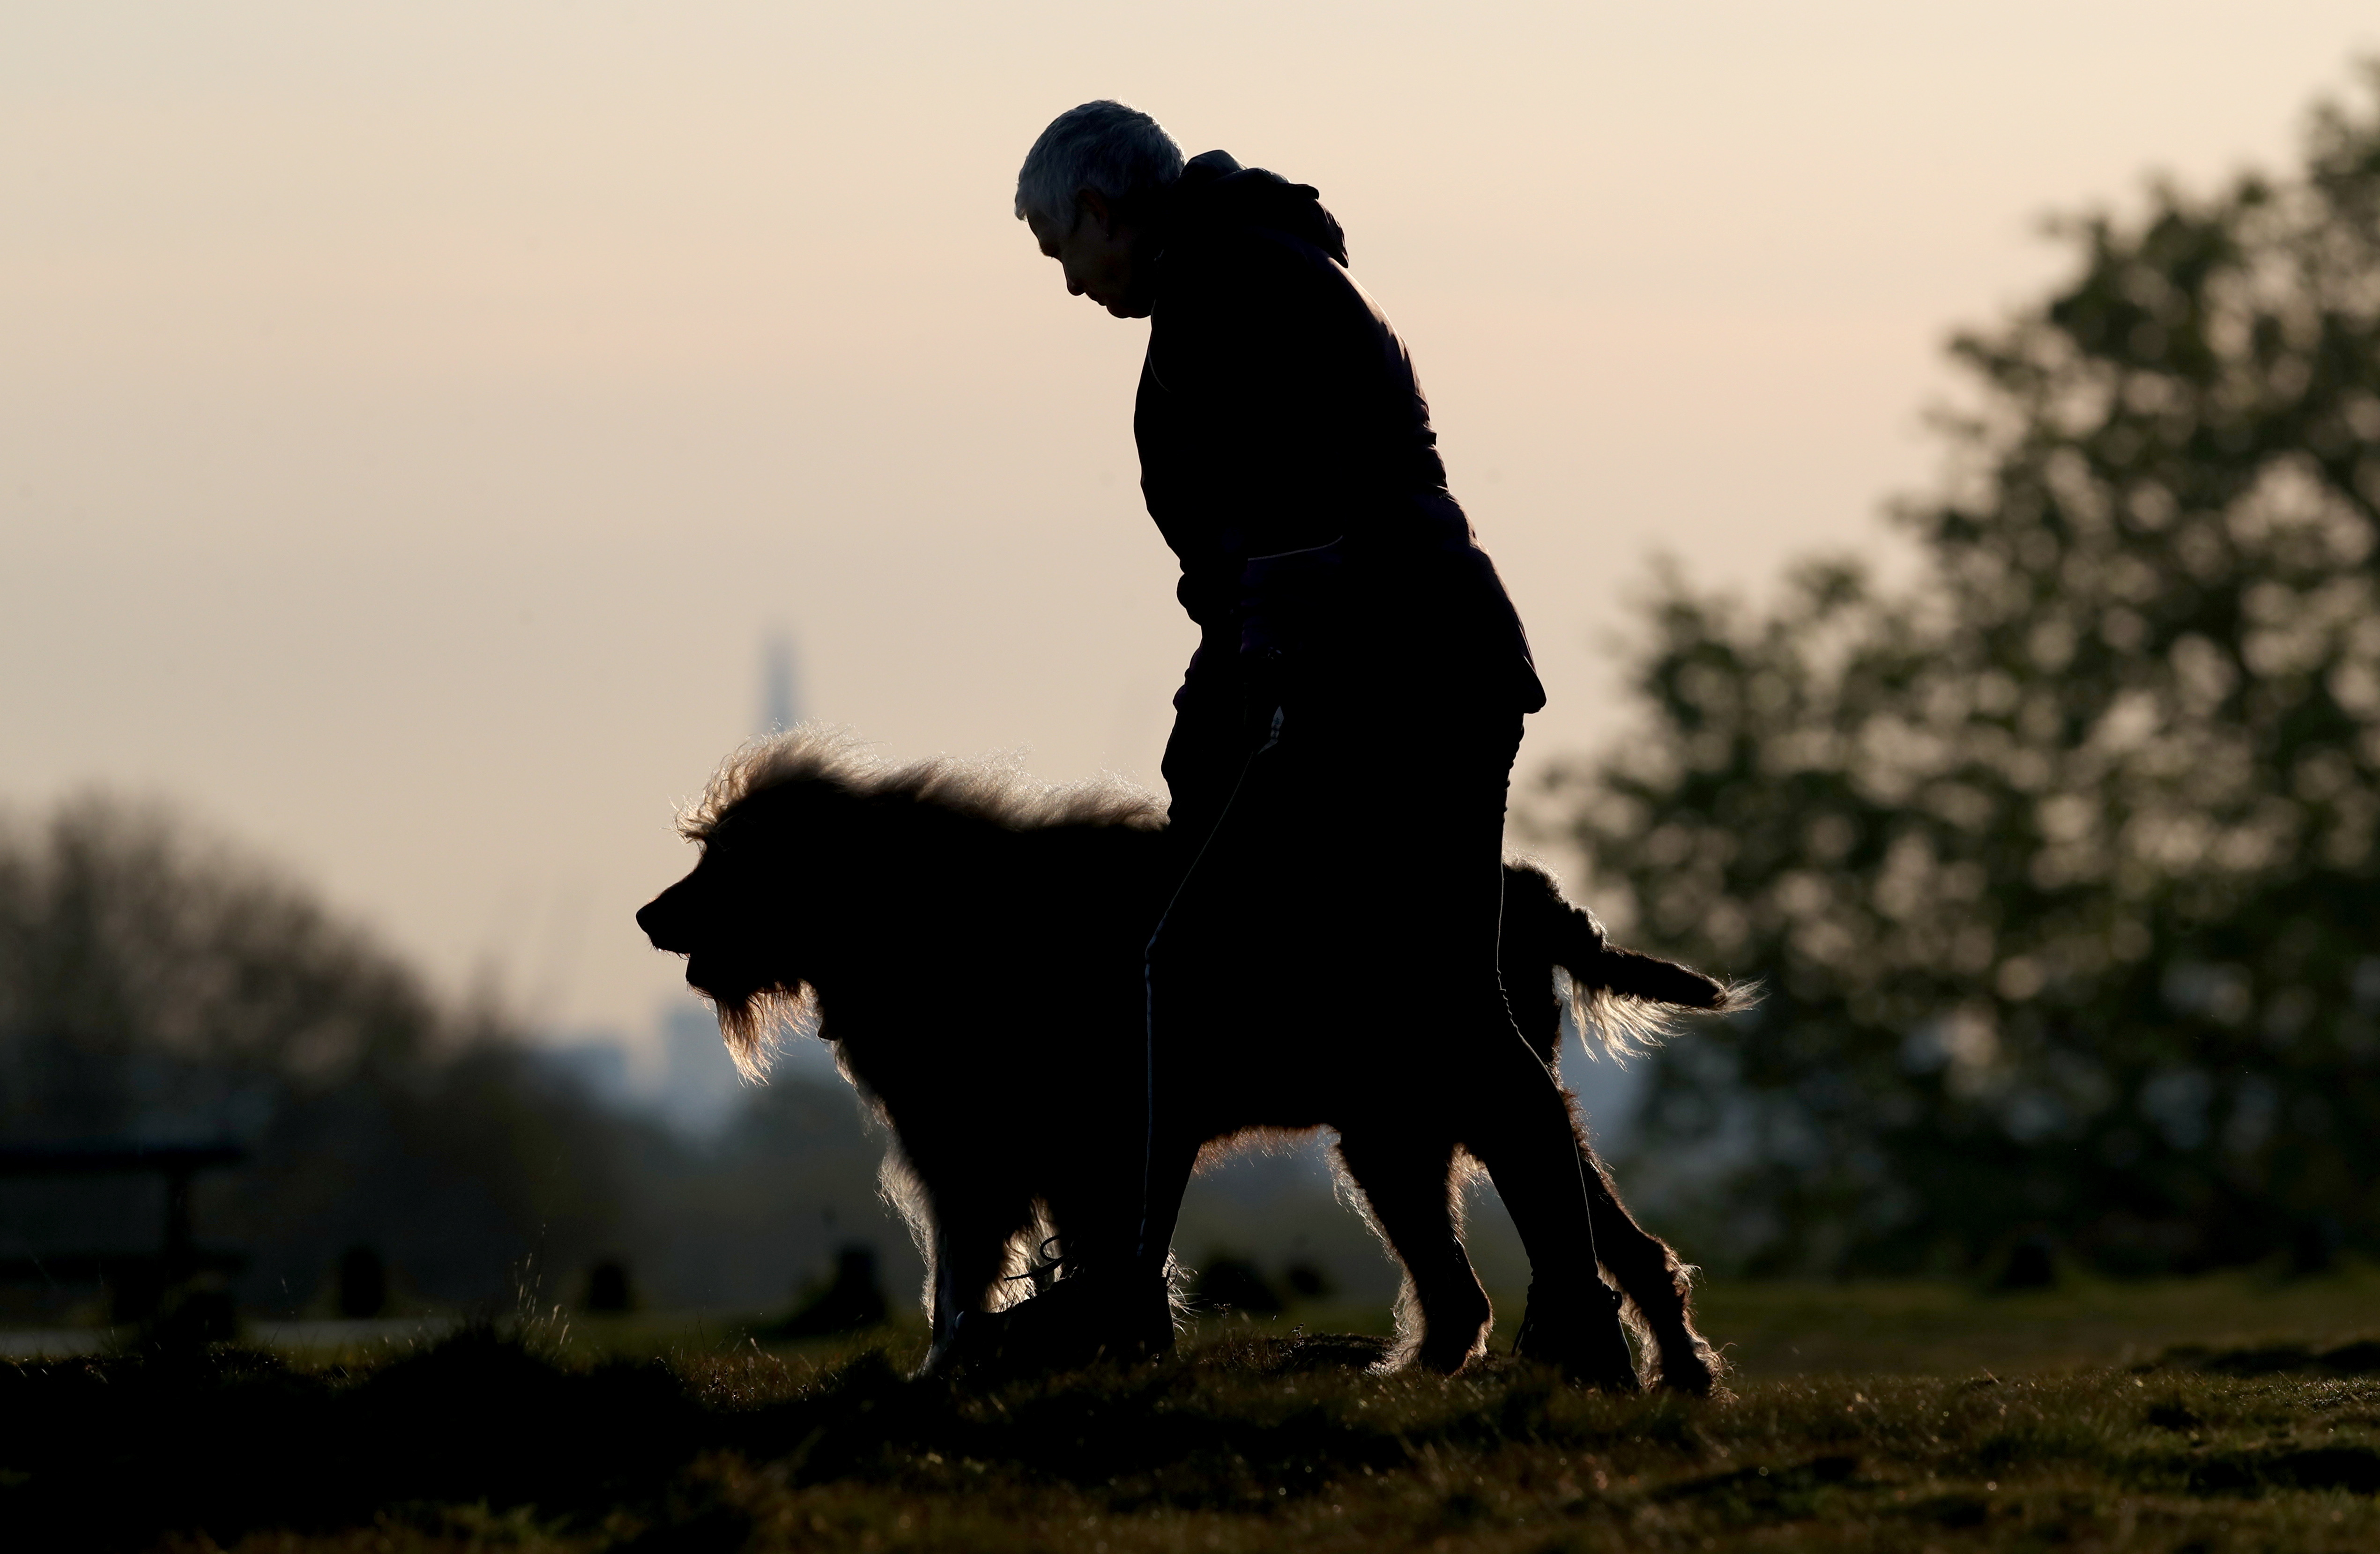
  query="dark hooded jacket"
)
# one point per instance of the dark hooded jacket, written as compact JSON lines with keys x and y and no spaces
{"x":1287,"y":456}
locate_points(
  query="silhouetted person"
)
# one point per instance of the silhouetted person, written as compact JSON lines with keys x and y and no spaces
{"x":2031,"y":1265}
{"x":363,"y":1282}
{"x":855,"y":1300}
{"x":1230,"y":1283}
{"x":1355,"y":701}
{"x":609,"y":1292}
{"x":135,"y":1291}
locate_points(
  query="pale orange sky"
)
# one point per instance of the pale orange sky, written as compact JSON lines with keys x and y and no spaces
{"x":412,"y":417}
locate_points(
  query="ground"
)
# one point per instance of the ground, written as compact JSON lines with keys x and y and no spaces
{"x":2232,"y":1413}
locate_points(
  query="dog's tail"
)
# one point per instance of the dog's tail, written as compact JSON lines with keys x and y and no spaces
{"x":1626,"y":1000}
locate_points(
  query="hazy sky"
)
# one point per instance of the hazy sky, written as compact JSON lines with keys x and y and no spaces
{"x":414,"y":417}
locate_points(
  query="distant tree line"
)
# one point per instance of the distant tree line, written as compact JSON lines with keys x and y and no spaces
{"x":157,"y":986}
{"x":2058,"y":864}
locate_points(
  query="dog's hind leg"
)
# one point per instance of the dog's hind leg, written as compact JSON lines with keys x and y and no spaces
{"x":1658,"y":1285}
{"x":1516,"y":1120}
{"x":1542,"y":930}
{"x":1410,"y":1188}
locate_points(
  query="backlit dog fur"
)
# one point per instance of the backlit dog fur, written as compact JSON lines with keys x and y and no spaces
{"x":969,"y":942}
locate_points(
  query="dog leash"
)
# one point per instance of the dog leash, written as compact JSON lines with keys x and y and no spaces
{"x":1148,"y":983}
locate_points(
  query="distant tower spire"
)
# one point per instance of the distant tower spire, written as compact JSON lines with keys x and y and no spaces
{"x":780,"y":708}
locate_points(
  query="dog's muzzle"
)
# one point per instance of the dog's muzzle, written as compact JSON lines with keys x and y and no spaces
{"x":664,"y":924}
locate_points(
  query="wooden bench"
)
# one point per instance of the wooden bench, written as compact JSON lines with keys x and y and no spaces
{"x":137,"y":1282}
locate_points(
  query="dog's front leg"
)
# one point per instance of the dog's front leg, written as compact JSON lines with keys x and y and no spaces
{"x":946,"y":1306}
{"x":971,"y":1237}
{"x":1408,"y":1180}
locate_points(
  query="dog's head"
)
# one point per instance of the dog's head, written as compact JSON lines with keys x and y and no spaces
{"x":756,"y":918}
{"x":807,"y":839}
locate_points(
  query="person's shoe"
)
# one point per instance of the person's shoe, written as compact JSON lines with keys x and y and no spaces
{"x":1578,"y":1331}
{"x":1079,"y":1320}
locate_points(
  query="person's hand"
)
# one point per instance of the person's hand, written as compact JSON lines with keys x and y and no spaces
{"x":1266,"y":689}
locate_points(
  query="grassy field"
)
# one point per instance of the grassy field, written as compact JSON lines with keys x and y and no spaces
{"x":2222,"y":1413}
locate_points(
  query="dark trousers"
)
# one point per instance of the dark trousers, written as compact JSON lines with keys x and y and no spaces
{"x":1342,"y":866}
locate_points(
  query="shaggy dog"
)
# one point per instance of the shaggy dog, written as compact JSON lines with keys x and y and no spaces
{"x":971,"y":943}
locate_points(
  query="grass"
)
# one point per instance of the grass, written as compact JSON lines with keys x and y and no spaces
{"x":2211,"y":1415}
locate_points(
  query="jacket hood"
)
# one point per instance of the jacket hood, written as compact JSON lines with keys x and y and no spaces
{"x":1215,"y":193}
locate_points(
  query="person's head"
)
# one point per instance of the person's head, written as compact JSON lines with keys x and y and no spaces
{"x":1089,"y":190}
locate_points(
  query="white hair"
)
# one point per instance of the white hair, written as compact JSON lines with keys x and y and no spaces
{"x":1117,"y":151}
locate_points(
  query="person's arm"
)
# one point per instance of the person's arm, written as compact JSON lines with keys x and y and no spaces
{"x":1268,"y":379}
{"x":1270,"y":382}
